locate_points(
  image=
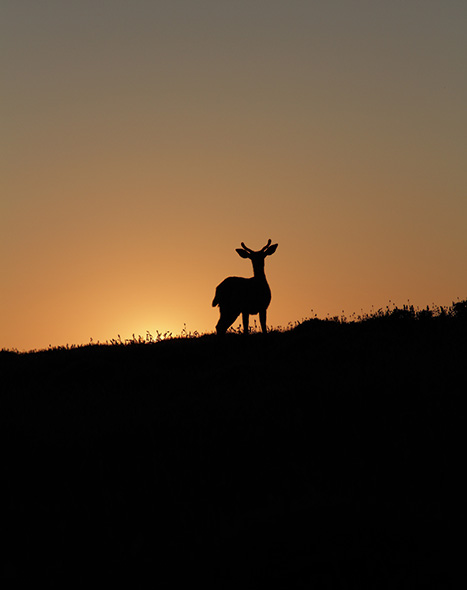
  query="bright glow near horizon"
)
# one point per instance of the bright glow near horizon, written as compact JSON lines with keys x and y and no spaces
{"x":143,"y":141}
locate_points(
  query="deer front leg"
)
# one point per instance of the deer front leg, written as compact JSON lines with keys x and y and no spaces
{"x":246,"y":317}
{"x":262,"y":321}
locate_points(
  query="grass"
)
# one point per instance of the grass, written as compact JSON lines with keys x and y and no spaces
{"x":327,"y":454}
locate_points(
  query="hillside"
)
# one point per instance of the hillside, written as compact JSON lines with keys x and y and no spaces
{"x":328,"y":454}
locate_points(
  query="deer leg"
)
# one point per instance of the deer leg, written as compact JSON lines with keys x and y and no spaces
{"x":225,"y":321}
{"x":245,"y":316}
{"x":262,"y":321}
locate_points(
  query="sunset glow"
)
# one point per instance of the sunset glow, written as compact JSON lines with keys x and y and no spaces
{"x":143,"y":141}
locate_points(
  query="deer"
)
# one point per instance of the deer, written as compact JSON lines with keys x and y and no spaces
{"x":238,"y":295}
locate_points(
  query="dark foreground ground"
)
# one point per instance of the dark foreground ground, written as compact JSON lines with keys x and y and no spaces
{"x":328,"y":456}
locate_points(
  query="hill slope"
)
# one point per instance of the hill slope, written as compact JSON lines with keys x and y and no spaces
{"x":327,"y":454}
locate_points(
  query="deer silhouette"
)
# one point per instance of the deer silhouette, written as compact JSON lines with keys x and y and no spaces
{"x":237,"y":295}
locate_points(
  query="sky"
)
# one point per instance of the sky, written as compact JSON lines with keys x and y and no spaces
{"x":142,"y":141}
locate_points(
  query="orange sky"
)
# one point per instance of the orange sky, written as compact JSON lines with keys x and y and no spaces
{"x":143,"y":141}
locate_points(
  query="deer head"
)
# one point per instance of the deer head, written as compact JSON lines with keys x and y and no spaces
{"x":257,"y":257}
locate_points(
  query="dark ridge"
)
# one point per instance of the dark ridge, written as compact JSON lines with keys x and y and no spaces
{"x":326,"y":455}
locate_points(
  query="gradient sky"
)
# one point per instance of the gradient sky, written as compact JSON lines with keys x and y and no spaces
{"x":142,"y":141}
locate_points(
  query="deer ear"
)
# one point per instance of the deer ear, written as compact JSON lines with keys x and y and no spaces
{"x":242,"y":253}
{"x":271,"y":250}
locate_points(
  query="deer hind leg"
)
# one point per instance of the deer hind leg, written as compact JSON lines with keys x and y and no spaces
{"x":245,"y":317}
{"x":262,"y":321}
{"x":226,"y":320}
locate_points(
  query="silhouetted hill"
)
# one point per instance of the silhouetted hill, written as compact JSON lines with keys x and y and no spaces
{"x":328,"y":455}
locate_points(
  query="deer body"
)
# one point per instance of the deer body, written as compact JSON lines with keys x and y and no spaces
{"x":237,"y":295}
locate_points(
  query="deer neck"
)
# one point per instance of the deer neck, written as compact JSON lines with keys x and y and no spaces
{"x":258,"y":271}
